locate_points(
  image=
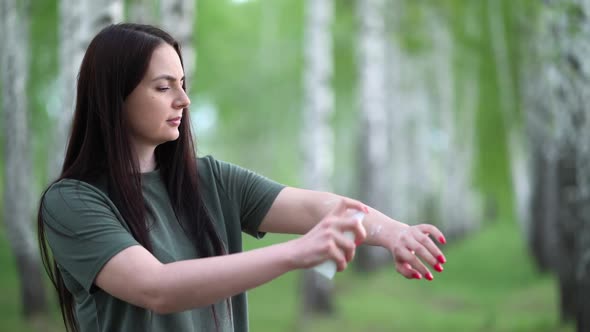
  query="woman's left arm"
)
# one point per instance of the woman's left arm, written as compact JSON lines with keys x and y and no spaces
{"x":296,"y":211}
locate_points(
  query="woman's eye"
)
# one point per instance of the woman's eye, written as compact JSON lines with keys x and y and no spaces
{"x":163,"y":88}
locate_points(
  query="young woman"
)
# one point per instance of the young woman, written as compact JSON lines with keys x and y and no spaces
{"x":145,"y":236}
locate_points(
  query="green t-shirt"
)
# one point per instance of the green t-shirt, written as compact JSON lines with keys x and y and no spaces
{"x":84,"y":230}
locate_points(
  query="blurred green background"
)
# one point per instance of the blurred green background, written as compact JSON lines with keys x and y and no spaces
{"x":247,"y":99}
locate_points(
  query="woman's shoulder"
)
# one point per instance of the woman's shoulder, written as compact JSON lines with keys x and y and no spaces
{"x":209,"y":162}
{"x":71,"y":192}
{"x":205,"y":160}
{"x":208,"y":168}
{"x":211,"y":166}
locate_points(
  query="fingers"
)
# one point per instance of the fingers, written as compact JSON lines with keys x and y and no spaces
{"x":429,"y":244}
{"x":433,"y":231}
{"x":347,"y":203}
{"x":338,"y":232}
{"x":423,"y":247}
{"x":338,"y":256}
{"x":407,"y":271}
{"x":414,"y":265}
{"x":345,"y":243}
{"x":355,"y":226}
{"x":342,"y":235}
{"x":415,"y":248}
{"x":349,"y":224}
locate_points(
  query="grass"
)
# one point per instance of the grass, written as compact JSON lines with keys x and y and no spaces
{"x":489,"y":284}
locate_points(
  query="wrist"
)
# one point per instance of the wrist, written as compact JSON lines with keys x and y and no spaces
{"x":385,"y":234}
{"x":287,"y":255}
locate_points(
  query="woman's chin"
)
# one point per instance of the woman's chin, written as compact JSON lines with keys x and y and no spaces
{"x":172,"y":136}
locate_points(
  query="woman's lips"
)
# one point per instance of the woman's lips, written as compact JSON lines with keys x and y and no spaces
{"x":175,"y":121}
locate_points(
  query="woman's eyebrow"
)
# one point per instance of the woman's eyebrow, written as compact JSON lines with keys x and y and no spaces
{"x":168,"y":78}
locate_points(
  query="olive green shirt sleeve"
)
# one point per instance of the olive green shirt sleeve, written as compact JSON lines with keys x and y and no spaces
{"x":253,"y":193}
{"x":83,"y":229}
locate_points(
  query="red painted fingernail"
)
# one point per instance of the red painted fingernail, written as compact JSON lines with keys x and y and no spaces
{"x":429,"y":276}
{"x":441,"y":259}
{"x":438,"y":267}
{"x":358,"y":242}
{"x":416,"y":275}
{"x":442,"y":240}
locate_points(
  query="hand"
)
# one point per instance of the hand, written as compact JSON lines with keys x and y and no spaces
{"x":413,"y":247}
{"x":326,"y":241}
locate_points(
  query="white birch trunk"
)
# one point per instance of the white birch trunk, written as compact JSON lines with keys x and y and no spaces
{"x":374,"y":137}
{"x":70,"y":56}
{"x":459,"y":208}
{"x":318,"y":136}
{"x":432,"y":144}
{"x":80,"y":21}
{"x":557,"y":92}
{"x":409,"y":125}
{"x":18,"y":174}
{"x":399,"y":141}
{"x":178,"y":19}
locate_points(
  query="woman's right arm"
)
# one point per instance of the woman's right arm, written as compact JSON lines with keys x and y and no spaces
{"x":134,"y":275}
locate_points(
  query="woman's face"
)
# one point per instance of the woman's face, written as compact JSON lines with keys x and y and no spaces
{"x":153,"y":110}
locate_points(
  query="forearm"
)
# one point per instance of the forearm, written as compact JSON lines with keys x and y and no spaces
{"x":199,"y":282}
{"x":379,"y":227}
{"x":296,"y":211}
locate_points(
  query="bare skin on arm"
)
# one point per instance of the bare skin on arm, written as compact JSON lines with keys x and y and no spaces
{"x":134,"y":275}
{"x":295,"y":210}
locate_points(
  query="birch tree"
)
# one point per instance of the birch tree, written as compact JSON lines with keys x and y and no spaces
{"x":80,"y":21}
{"x":318,"y":136}
{"x":409,"y":123}
{"x":452,"y":140}
{"x":178,"y":18}
{"x":557,"y":91}
{"x":374,"y":149}
{"x":18,"y":179}
{"x":71,"y":51}
{"x":432,"y":125}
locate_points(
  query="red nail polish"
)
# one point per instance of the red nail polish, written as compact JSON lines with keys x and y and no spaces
{"x":429,"y":276}
{"x":416,"y":275}
{"x":438,"y":267}
{"x":441,"y":259}
{"x":358,"y":242}
{"x":442,"y":240}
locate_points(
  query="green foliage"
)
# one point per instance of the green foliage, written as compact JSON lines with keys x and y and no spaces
{"x":249,"y":68}
{"x":413,"y":32}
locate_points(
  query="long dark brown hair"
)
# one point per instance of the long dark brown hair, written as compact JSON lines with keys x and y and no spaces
{"x":99,"y":147}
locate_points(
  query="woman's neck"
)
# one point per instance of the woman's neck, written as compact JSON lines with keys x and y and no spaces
{"x":146,"y":157}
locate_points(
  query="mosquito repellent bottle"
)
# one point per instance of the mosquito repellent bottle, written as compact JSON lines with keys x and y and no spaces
{"x":328,"y":268}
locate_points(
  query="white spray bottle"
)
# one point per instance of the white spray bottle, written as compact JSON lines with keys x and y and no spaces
{"x":328,"y":268}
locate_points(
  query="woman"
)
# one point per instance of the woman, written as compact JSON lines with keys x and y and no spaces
{"x":144,"y":236}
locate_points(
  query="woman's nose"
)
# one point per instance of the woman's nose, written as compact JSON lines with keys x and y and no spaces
{"x":182,"y":101}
